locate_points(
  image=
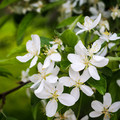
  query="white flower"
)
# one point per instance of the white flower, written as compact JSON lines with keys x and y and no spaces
{"x":85,"y":118}
{"x":68,"y":115}
{"x":106,"y":108}
{"x":100,"y":9}
{"x":115,"y":12}
{"x":85,"y":59}
{"x":33,"y":48}
{"x":25,"y":76}
{"x":58,"y":42}
{"x":38,"y":5}
{"x":55,"y":92}
{"x":78,"y":81}
{"x":48,"y":74}
{"x":104,"y":24}
{"x":107,"y":36}
{"x":52,"y":55}
{"x":88,"y":24}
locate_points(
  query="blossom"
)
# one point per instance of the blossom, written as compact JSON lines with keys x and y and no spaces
{"x":25,"y":76}
{"x":115,"y":12}
{"x":106,"y":108}
{"x":100,"y":9}
{"x":38,"y":5}
{"x":58,"y":42}
{"x":88,"y":24}
{"x":52,"y":55}
{"x":33,"y":48}
{"x":86,"y":59}
{"x":118,"y":82}
{"x":78,"y":82}
{"x":48,"y":74}
{"x":55,"y":92}
{"x":108,"y":37}
{"x":68,"y":115}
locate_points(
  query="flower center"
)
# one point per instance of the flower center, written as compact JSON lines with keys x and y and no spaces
{"x":106,"y":33}
{"x":106,"y":113}
{"x":55,"y":95}
{"x":78,"y":83}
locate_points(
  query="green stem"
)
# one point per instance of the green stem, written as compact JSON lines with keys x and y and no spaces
{"x":79,"y":106}
{"x":86,"y":38}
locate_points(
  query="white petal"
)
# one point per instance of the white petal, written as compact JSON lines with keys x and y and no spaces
{"x":110,"y":45}
{"x":43,"y":95}
{"x":114,"y":107}
{"x":25,"y":58}
{"x":34,"y":61}
{"x":93,"y":10}
{"x":97,"y":106}
{"x":55,"y":57}
{"x":118,"y":82}
{"x":85,"y":118}
{"x":56,"y":70}
{"x":114,"y":37}
{"x":69,"y":114}
{"x":94,"y":24}
{"x":75,"y":93}
{"x":93,"y":72}
{"x":99,"y":61}
{"x":80,"y":31}
{"x":78,"y":67}
{"x":36,"y":40}
{"x":50,"y":87}
{"x":46,"y":62}
{"x":80,"y":25}
{"x":96,"y":46}
{"x":74,"y":75}
{"x":51,"y":79}
{"x":40,"y":88}
{"x":51,"y":108}
{"x":103,"y":51}
{"x":59,"y":88}
{"x":39,"y":66}
{"x":87,"y":90}
{"x":67,"y":99}
{"x":107,"y":100}
{"x":85,"y":76}
{"x":34,"y":78}
{"x":95,"y":114}
{"x":73,"y":58}
{"x":67,"y":81}
{"x":50,"y":68}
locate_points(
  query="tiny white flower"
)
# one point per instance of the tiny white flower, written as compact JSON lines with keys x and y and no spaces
{"x":55,"y":92}
{"x":58,"y":42}
{"x":107,"y":36}
{"x":78,"y":82}
{"x":52,"y":55}
{"x":48,"y":74}
{"x":68,"y":115}
{"x":100,"y":8}
{"x":88,"y":24}
{"x":115,"y":12}
{"x":106,"y":108}
{"x":86,"y":59}
{"x":38,"y":5}
{"x":25,"y":76}
{"x":85,"y":118}
{"x":33,"y":48}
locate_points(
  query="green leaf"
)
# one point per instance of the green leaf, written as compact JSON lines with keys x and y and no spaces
{"x":23,"y":26}
{"x":11,"y":118}
{"x":100,"y":85}
{"x":72,"y":26}
{"x":106,"y":71}
{"x":6,"y":3}
{"x":52,"y":5}
{"x":64,"y":65}
{"x":66,"y":22}
{"x":4,"y":72}
{"x":69,"y":38}
{"x":4,"y":19}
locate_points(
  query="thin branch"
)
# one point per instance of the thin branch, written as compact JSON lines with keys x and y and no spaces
{"x":4,"y":94}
